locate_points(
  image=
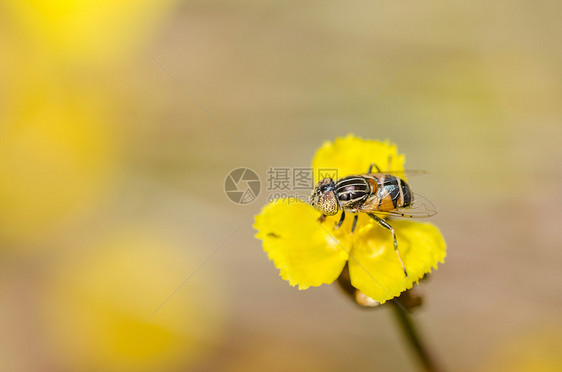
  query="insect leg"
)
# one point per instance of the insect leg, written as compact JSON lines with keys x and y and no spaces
{"x":338,"y":225}
{"x":322,"y":218}
{"x":385,"y":224}
{"x":389,"y":162}
{"x":354,"y":223}
{"x":371,"y":168}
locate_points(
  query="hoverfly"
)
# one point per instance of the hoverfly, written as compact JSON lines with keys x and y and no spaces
{"x":371,"y":193}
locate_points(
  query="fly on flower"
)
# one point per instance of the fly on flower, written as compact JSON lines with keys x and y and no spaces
{"x":307,"y":254}
{"x":370,"y":193}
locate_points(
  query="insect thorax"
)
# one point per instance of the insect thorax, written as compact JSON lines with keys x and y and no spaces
{"x":352,"y":192}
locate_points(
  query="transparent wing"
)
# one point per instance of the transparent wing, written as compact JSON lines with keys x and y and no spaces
{"x":409,"y":172}
{"x":404,"y":174}
{"x":421,"y":207}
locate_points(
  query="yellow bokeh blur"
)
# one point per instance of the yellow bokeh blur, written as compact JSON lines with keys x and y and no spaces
{"x":536,"y":349}
{"x":57,"y":152}
{"x":59,"y":140}
{"x":102,"y":305}
{"x":87,"y":31}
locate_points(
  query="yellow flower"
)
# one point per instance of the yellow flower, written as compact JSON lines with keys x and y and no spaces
{"x":309,"y":253}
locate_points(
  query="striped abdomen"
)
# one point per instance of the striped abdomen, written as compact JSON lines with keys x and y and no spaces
{"x":388,"y":193}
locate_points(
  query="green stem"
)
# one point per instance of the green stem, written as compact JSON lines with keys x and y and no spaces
{"x":407,"y":324}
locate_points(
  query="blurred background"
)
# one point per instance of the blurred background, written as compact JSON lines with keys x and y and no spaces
{"x":119,"y":122}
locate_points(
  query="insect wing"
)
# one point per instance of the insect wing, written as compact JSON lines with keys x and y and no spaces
{"x":421,"y":207}
{"x":404,"y":174}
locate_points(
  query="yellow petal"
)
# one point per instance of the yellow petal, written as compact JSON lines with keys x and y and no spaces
{"x":353,"y":155}
{"x":307,"y":253}
{"x":374,"y":267}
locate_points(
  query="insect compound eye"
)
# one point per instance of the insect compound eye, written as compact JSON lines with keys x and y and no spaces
{"x":326,"y":185}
